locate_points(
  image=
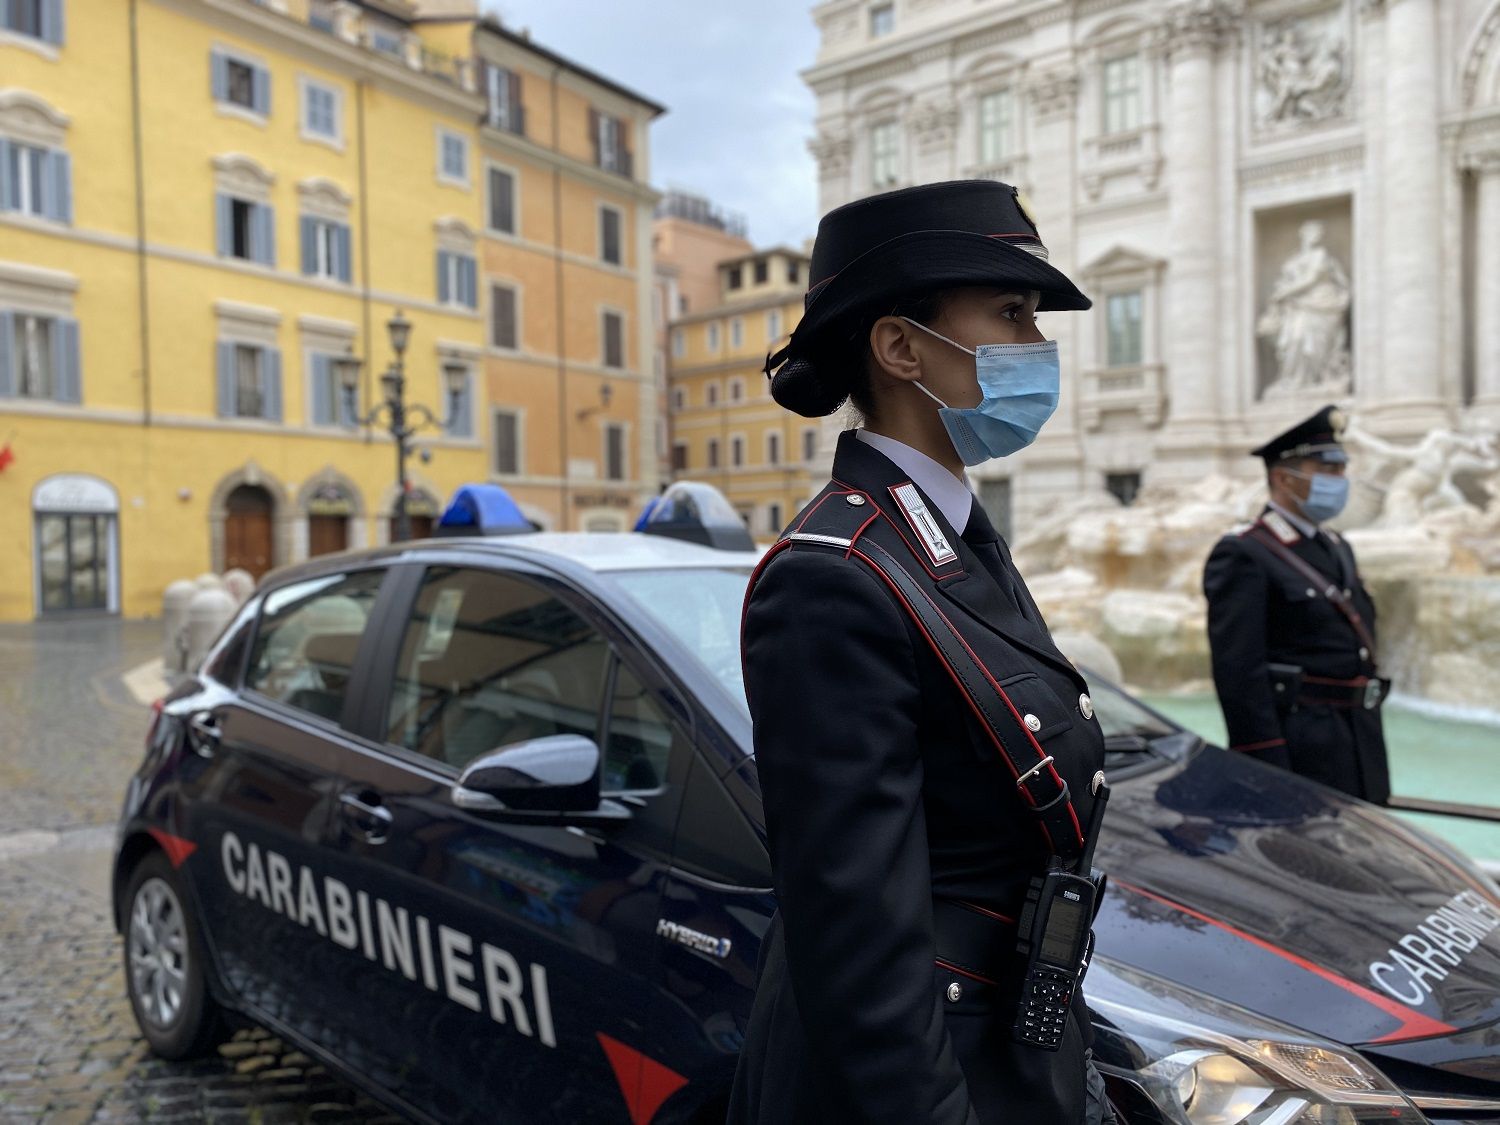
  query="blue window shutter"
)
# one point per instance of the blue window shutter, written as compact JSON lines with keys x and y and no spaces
{"x":218,"y":76}
{"x":52,"y":21}
{"x":59,"y":199}
{"x":322,"y":391}
{"x":270,"y":383}
{"x":224,"y":221}
{"x":260,"y":91}
{"x":265,"y":219}
{"x":225,"y":379}
{"x":442,"y":277}
{"x":309,"y":246}
{"x":7,"y":351}
{"x":468,"y":283}
{"x":7,"y":176}
{"x":345,"y":261}
{"x":66,"y":382}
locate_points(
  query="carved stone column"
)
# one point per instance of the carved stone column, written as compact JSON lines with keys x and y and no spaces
{"x":1194,"y":35}
{"x":1408,"y":399}
{"x":1487,"y":286}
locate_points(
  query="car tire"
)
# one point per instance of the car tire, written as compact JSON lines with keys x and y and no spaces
{"x":165,"y":964}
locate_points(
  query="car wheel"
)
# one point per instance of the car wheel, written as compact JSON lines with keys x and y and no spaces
{"x":164,"y":965}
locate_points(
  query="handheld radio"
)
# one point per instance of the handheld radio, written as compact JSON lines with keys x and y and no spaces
{"x":1055,"y":932}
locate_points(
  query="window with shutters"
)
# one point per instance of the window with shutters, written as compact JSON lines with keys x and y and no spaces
{"x":239,"y":83}
{"x":679,"y":398}
{"x":503,"y":323}
{"x":249,"y":378}
{"x":331,"y":404}
{"x":809,"y":444}
{"x":773,"y":449}
{"x":453,"y":158}
{"x":458,"y":421}
{"x":611,"y":151}
{"x":711,"y":336}
{"x":503,"y":106}
{"x":793,"y":273}
{"x":774,"y":522}
{"x":325,"y":249}
{"x":501,"y":214}
{"x":457,"y":279}
{"x":507,"y":443}
{"x":736,"y":333}
{"x":762,"y":271}
{"x":613,"y":330}
{"x":737,"y":451}
{"x":736,"y":390}
{"x":35,"y":19}
{"x":711,"y":394}
{"x":609,"y":235}
{"x":246,"y":231}
{"x":679,"y":456}
{"x":39,"y":357}
{"x":614,"y":451}
{"x":713,"y":453}
{"x":735,"y":278}
{"x":773,"y":326}
{"x":35,"y":181}
{"x":34,"y":357}
{"x":322,"y":113}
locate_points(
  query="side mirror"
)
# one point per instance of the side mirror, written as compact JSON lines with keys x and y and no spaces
{"x":548,"y":779}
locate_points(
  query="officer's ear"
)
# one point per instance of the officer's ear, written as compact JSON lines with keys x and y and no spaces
{"x":891,"y":351}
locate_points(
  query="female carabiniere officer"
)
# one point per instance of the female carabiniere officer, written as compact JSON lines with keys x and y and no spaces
{"x":901,"y":839}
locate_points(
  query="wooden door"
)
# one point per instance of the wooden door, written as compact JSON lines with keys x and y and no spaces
{"x":248,"y":531}
{"x":326,"y":534}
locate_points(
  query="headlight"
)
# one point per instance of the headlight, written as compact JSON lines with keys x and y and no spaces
{"x":1201,"y":1061}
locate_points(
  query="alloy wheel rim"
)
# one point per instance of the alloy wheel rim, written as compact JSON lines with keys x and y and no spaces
{"x":157,"y":948}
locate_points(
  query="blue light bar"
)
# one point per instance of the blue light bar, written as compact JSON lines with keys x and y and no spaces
{"x":698,"y":513}
{"x":482,"y":509}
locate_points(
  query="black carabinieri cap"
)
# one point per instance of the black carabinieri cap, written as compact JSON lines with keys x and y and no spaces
{"x":1319,"y":436}
{"x":901,"y":244}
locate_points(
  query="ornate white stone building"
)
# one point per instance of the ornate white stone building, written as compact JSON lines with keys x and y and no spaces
{"x":1273,"y":203}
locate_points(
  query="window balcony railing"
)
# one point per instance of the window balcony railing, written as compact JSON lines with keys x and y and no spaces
{"x":1139,"y":389}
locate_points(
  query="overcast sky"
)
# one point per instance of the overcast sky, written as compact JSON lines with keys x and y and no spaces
{"x":738,"y":116}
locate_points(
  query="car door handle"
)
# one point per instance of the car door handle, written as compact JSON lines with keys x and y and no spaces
{"x":205,"y":733}
{"x":372,"y":820}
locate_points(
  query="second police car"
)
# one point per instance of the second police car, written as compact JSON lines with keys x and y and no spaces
{"x":474,"y":821}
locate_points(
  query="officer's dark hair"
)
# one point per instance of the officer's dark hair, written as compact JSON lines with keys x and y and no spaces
{"x":923,"y":308}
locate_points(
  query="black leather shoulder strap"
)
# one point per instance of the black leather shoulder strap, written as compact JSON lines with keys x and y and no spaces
{"x":1042,"y":789}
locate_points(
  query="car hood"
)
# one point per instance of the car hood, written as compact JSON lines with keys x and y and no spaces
{"x":1290,"y":899}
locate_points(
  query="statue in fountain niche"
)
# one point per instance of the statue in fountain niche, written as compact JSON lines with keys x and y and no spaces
{"x":1421,"y":478}
{"x":1307,"y":320}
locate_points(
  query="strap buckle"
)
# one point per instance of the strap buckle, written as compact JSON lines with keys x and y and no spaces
{"x":1033,"y":771}
{"x":1374,"y":690}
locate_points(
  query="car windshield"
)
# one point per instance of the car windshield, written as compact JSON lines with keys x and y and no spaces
{"x":701,"y":608}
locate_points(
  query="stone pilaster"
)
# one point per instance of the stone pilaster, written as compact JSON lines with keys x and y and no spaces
{"x":1409,"y":395}
{"x":1194,"y":36}
{"x":1487,"y":286}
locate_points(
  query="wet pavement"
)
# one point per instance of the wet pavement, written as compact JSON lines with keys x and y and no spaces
{"x":71,"y":735}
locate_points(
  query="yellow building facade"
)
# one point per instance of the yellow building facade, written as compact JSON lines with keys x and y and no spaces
{"x":726,"y":429}
{"x":207,"y":208}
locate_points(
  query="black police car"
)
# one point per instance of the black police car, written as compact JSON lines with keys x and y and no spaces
{"x":475,"y":822}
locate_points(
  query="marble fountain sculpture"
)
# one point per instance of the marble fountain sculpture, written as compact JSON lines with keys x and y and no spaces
{"x":1124,"y":584}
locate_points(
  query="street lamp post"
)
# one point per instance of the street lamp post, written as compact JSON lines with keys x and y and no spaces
{"x":402,"y":420}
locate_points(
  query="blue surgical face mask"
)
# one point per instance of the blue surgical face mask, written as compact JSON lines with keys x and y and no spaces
{"x":1326,"y":496}
{"x":1021,"y":385}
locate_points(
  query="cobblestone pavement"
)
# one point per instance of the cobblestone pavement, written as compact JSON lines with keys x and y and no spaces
{"x":70,"y":736}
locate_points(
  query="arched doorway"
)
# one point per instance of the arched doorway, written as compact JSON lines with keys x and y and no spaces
{"x":77,"y":545}
{"x":329,"y":509}
{"x":249,"y":542}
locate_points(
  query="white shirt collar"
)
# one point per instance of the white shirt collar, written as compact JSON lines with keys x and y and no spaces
{"x":951,"y":495}
{"x":1308,"y":529}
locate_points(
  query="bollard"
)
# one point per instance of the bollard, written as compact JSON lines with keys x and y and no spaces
{"x":207,"y":614}
{"x":240,"y":584}
{"x":208,"y":581}
{"x":174,"y":604}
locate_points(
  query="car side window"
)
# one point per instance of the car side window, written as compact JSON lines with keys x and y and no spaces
{"x":638,"y":738}
{"x":488,"y":660}
{"x":307,"y":638}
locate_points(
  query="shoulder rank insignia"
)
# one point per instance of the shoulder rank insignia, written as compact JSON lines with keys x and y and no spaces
{"x":1280,"y":528}
{"x":909,"y":500}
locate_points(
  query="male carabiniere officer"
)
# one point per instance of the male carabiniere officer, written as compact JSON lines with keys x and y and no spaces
{"x":1292,"y":628}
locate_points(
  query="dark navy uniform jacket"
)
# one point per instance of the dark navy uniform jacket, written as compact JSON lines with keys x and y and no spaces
{"x":1262,"y":611}
{"x":881,"y":794}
